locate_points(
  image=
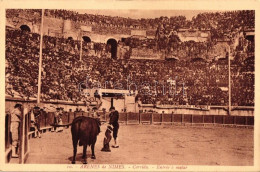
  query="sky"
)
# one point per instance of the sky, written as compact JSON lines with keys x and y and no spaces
{"x":137,"y":14}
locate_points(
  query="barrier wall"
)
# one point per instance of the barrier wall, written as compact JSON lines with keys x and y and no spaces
{"x":247,"y":111}
{"x":132,"y":107}
{"x":156,"y":118}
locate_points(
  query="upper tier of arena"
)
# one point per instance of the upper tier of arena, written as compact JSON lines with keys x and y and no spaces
{"x":70,"y":23}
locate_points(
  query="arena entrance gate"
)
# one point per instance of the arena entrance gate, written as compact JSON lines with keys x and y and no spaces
{"x":25,"y":28}
{"x":113,"y":43}
{"x":86,"y":39}
{"x":113,"y":94}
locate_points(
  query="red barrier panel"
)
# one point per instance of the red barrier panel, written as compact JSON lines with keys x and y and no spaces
{"x":70,"y":116}
{"x":208,"y":119}
{"x":122,"y":117}
{"x":65,"y":118}
{"x":78,"y":114}
{"x":167,"y":118}
{"x":133,"y":116}
{"x":250,"y":120}
{"x":219,"y":119}
{"x":229,"y":120}
{"x":157,"y":117}
{"x":146,"y":117}
{"x":240,"y":120}
{"x":50,"y":119}
{"x":197,"y":119}
{"x":177,"y":118}
{"x":187,"y":118}
{"x":41,"y":119}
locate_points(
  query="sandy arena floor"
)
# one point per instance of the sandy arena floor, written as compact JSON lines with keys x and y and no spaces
{"x":154,"y":144}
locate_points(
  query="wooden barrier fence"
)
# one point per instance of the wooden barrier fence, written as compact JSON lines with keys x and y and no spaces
{"x":189,"y":119}
{"x":46,"y":119}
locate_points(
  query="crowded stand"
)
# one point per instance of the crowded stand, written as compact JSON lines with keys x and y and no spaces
{"x":193,"y":79}
{"x":221,"y":24}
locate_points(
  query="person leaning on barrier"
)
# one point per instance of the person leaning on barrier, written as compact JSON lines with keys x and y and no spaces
{"x":16,"y":118}
{"x":35,"y":120}
{"x":58,"y":119}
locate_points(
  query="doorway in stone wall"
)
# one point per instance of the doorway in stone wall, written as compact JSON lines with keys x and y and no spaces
{"x":86,"y":39}
{"x":25,"y":28}
{"x":113,"y":43}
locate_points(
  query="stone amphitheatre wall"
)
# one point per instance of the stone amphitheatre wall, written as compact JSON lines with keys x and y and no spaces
{"x":57,"y":27}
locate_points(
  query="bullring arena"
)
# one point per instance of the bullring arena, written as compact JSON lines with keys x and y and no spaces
{"x":184,"y":87}
{"x":155,"y":144}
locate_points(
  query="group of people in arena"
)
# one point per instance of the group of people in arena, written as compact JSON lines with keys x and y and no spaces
{"x":17,"y":115}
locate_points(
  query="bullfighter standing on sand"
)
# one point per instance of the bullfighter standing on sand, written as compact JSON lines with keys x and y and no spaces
{"x":114,"y":115}
{"x":112,"y":127}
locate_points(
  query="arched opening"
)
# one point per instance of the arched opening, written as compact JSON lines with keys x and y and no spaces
{"x":197,"y":59}
{"x":172,"y":58}
{"x":86,"y":39}
{"x":70,"y":38}
{"x":123,"y":39}
{"x":113,"y":43}
{"x":250,"y":38}
{"x":25,"y":28}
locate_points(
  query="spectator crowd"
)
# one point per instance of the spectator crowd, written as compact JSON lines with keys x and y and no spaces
{"x":193,"y":80}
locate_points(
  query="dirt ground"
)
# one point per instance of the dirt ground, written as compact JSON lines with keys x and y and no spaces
{"x":154,"y":144}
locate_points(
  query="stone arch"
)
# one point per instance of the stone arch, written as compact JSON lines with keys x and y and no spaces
{"x":113,"y":43}
{"x":25,"y":28}
{"x":123,"y":39}
{"x":86,"y":39}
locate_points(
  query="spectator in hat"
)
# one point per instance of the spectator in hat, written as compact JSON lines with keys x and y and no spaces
{"x":16,"y":119}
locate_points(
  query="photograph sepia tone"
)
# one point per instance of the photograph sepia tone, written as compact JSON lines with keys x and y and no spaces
{"x":129,"y":89}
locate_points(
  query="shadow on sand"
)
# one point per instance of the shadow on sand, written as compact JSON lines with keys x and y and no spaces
{"x":79,"y":157}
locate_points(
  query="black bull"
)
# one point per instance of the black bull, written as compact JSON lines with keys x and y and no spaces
{"x":84,"y":131}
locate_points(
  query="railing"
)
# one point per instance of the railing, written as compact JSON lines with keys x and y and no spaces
{"x":163,"y":118}
{"x":156,"y":118}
